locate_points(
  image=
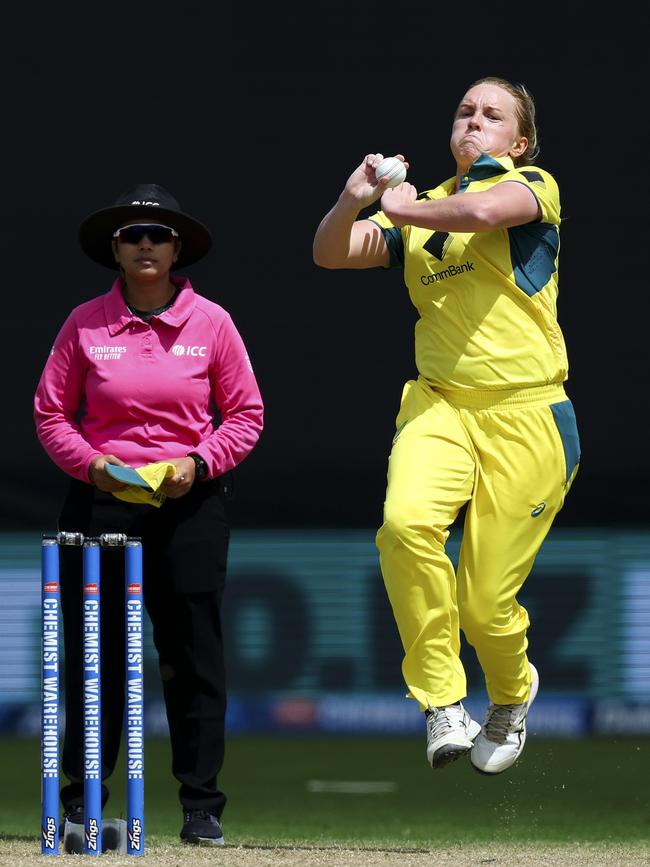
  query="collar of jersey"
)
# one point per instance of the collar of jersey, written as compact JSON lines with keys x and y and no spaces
{"x":485,"y":167}
{"x":118,"y":315}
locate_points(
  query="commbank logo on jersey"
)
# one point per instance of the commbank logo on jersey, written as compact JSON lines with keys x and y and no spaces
{"x":192,"y":351}
{"x":449,"y":271}
{"x":438,"y":244}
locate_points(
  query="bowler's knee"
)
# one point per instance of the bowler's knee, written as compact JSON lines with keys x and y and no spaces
{"x":488,"y":615}
{"x":408,"y":528}
{"x":477,"y":620}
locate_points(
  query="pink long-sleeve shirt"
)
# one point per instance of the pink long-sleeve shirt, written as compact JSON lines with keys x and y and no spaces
{"x":148,"y":391}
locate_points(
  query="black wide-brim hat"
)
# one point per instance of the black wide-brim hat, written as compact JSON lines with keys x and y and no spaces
{"x":152,"y":204}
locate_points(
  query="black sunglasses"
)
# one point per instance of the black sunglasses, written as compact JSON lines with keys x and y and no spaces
{"x":156,"y":233}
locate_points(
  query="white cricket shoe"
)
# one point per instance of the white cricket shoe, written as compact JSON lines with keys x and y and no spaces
{"x":503,"y":734}
{"x":450,"y":734}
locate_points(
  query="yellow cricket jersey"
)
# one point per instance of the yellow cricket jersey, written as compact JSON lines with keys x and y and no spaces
{"x":487,"y":300}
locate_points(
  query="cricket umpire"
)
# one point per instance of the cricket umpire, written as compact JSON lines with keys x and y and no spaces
{"x":151,"y":371}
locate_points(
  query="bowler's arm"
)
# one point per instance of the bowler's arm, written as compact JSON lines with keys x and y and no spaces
{"x":343,"y":241}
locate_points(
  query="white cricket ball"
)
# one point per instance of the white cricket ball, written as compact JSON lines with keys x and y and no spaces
{"x":393,"y":169}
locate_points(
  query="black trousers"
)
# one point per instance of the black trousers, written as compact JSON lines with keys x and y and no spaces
{"x":185,"y":545}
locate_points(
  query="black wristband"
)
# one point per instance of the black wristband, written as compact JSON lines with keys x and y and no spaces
{"x":201,"y":467}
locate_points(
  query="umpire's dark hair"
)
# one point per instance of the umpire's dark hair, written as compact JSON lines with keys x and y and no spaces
{"x":525,"y":112}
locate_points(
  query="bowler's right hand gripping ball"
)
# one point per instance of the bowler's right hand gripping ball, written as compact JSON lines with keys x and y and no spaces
{"x":393,"y":169}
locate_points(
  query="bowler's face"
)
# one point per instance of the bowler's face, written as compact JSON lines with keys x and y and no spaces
{"x":485,"y":123}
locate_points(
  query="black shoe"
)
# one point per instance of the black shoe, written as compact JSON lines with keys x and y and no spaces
{"x":74,"y":814}
{"x":201,"y":828}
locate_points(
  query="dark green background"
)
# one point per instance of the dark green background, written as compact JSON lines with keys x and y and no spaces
{"x":254,"y":118}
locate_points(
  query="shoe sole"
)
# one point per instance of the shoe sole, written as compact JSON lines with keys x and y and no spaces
{"x":448,"y":754}
{"x":203,"y":841}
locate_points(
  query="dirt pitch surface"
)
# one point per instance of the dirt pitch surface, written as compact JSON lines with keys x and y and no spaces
{"x":20,"y":853}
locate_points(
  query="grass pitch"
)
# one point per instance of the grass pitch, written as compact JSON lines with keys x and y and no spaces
{"x":321,"y":796}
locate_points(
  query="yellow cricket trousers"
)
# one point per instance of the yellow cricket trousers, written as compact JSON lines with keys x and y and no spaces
{"x":511,"y":457}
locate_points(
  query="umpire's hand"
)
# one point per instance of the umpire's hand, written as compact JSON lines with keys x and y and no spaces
{"x":100,"y":478}
{"x":182,"y":480}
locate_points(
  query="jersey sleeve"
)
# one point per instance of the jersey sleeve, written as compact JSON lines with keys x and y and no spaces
{"x":58,"y":402}
{"x":393,"y":237}
{"x":237,"y":397}
{"x":543,"y":186}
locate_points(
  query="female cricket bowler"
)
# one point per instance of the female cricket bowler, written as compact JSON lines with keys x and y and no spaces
{"x":151,"y":371}
{"x":486,"y":425}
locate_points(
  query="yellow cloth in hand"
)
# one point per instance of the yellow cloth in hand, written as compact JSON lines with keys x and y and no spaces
{"x":154,"y":475}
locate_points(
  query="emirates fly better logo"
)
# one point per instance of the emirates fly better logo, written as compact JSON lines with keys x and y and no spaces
{"x":107,"y":353}
{"x":193,"y":351}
